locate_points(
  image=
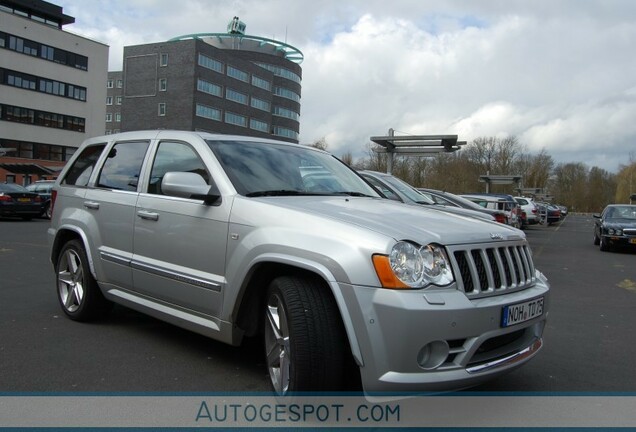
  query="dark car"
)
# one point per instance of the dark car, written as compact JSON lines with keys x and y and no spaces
{"x":615,"y":226}
{"x":43,"y":188}
{"x":16,"y":201}
{"x":449,"y":199}
{"x":550,"y":213}
{"x":396,"y":189}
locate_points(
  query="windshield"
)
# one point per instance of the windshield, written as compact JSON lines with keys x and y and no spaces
{"x":266,"y":169}
{"x":621,"y":212}
{"x":466,"y":203}
{"x":406,"y":189}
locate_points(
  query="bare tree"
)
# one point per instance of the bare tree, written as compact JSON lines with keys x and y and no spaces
{"x":320,"y":144}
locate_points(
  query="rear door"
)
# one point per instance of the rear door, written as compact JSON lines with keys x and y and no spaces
{"x":111,"y":202}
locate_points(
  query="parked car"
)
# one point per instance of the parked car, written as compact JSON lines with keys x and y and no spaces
{"x":615,"y":226}
{"x":449,"y":199}
{"x":43,"y":188}
{"x":564,"y":210}
{"x":505,"y":203}
{"x":530,"y":209}
{"x":16,"y":201}
{"x":220,"y":235}
{"x":396,"y":189}
{"x":550,"y":213}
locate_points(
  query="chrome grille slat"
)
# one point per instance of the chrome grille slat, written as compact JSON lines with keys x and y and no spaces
{"x":483,"y":270}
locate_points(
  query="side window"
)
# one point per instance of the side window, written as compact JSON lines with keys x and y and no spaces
{"x":82,"y":168}
{"x":123,"y":165}
{"x":175,"y":157}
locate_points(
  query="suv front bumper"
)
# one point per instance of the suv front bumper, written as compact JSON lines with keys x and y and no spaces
{"x":430,"y":341}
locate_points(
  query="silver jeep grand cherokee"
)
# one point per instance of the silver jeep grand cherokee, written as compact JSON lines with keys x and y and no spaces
{"x":233,"y":236}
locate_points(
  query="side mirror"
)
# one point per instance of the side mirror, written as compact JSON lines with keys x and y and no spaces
{"x":596,"y":215}
{"x":189,"y":185}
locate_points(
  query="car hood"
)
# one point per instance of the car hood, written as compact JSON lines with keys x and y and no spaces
{"x":401,"y":221}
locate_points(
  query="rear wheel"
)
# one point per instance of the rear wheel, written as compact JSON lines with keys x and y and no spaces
{"x":305,"y":342}
{"x":77,"y":290}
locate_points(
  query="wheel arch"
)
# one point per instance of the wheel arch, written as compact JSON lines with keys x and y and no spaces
{"x":63,"y":236}
{"x":251,"y":299}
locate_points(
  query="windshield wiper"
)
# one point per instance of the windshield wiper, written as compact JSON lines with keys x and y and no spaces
{"x":279,"y":192}
{"x":351,"y":193}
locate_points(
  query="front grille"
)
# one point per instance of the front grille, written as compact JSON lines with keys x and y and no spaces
{"x":629,"y":231}
{"x":491,"y":269}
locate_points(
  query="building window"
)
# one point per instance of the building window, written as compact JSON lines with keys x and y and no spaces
{"x":259,"y":125}
{"x":284,"y":132}
{"x":209,"y":88}
{"x":108,"y":132}
{"x":260,"y":104}
{"x":109,"y":83}
{"x":281,"y":72}
{"x":163,"y":60}
{"x":109,"y":100}
{"x":235,"y":119}
{"x":287,"y":113}
{"x":210,"y":63}
{"x":261,"y":83}
{"x":36,"y":49}
{"x":208,"y":112}
{"x":41,"y":118}
{"x":286,"y":93}
{"x":118,"y":100}
{"x":109,"y":117}
{"x":118,"y":117}
{"x":163,"y":84}
{"x":235,"y":96}
{"x":238,"y":74}
{"x":161,"y":110}
{"x":120,"y":83}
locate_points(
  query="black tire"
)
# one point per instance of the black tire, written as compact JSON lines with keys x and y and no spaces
{"x":77,"y":291}
{"x":597,"y":240}
{"x":47,"y":212}
{"x":603,"y":244}
{"x":305,"y":343}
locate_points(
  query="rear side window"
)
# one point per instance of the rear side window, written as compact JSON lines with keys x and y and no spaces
{"x":82,"y":168}
{"x":122,"y":166}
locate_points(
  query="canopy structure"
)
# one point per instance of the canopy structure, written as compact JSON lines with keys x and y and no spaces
{"x":415,"y":145}
{"x":28,"y":169}
{"x":500,"y":179}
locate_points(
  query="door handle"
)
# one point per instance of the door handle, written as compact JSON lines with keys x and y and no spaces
{"x":146,"y":215}
{"x":92,"y":205}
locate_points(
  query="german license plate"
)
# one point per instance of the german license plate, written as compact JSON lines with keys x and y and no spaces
{"x":24,"y":199}
{"x":521,"y":312}
{"x":632,"y":240}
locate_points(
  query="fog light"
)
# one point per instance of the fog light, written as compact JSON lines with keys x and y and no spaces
{"x":433,"y":355}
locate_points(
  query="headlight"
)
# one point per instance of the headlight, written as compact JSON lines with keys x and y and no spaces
{"x":412,"y":266}
{"x":615,"y":231}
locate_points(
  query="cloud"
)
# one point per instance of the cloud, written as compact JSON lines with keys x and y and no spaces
{"x":558,"y":75}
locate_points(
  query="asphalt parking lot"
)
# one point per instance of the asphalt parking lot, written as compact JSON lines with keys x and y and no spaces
{"x":589,"y":340}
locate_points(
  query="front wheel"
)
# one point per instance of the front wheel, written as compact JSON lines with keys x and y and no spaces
{"x":604,"y":246}
{"x":305,"y":342}
{"x":77,"y":290}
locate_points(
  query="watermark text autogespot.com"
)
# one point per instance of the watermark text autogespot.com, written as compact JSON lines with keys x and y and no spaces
{"x":333,"y":413}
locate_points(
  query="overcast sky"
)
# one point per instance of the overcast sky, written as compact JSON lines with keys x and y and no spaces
{"x":558,"y":75}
